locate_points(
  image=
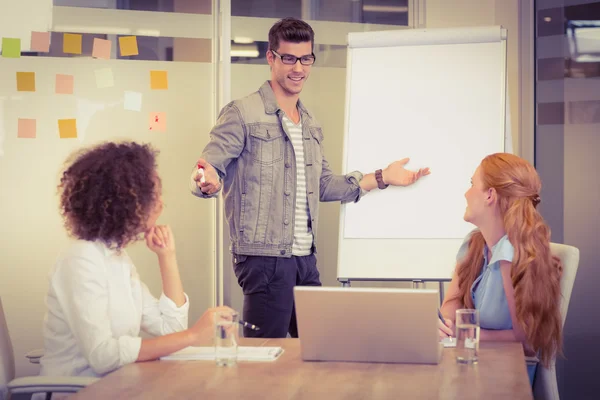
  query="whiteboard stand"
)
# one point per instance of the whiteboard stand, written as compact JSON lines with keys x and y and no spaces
{"x":416,"y":283}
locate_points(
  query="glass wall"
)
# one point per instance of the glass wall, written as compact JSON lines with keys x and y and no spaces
{"x":567,"y":47}
{"x":103,"y":70}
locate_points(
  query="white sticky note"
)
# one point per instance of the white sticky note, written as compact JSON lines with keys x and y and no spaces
{"x":104,"y":78}
{"x":133,"y":101}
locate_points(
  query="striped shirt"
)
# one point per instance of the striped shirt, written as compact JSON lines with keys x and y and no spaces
{"x":303,"y":237}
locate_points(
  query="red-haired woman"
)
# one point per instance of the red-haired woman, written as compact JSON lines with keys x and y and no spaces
{"x":504,"y":267}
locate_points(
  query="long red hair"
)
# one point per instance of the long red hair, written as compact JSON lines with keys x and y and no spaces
{"x":535,"y":272}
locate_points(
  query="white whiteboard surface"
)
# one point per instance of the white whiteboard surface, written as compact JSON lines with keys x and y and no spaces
{"x":438,"y":97}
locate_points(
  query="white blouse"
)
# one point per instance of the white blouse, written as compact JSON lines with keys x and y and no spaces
{"x":96,"y":308}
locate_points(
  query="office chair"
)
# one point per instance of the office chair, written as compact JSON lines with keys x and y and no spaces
{"x":545,"y":386}
{"x":10,"y":386}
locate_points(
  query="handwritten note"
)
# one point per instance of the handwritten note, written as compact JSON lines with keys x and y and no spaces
{"x":11,"y":48}
{"x":158,"y":121}
{"x":72,"y":43}
{"x":133,"y":101}
{"x":40,"y":42}
{"x":104,"y":78}
{"x":64,"y":84}
{"x":101,"y":48}
{"x":26,"y":81}
{"x":67,"y":128}
{"x":129,"y":46}
{"x":159,"y":80}
{"x":26,"y":128}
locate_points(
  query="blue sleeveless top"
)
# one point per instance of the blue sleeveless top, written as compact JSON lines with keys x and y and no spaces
{"x":487,"y":291}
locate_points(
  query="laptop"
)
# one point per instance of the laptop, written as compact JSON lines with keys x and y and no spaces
{"x":368,"y":324}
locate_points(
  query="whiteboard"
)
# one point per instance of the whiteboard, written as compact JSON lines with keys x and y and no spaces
{"x":438,"y":97}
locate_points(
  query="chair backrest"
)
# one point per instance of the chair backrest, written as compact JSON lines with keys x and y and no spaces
{"x":7,"y":358}
{"x":545,"y":386}
{"x":569,"y":256}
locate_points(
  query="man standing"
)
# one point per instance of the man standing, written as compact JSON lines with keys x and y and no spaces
{"x":268,"y":150}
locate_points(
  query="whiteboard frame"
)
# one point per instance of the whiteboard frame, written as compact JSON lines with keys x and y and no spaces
{"x":351,"y":242}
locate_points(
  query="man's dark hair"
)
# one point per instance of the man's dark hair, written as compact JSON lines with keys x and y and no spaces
{"x":108,"y":191}
{"x":290,"y":30}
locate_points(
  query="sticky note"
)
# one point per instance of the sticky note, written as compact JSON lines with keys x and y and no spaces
{"x":104,"y":78}
{"x":64,"y":84}
{"x":128,"y":45}
{"x":11,"y":48}
{"x":133,"y":101}
{"x":101,"y":48}
{"x":26,"y":128}
{"x":158,"y":121}
{"x":158,"y":80}
{"x":26,"y":81}
{"x":67,"y":128}
{"x":72,"y":43}
{"x":40,"y":41}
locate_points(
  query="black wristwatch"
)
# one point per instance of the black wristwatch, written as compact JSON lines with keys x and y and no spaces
{"x":379,"y":178}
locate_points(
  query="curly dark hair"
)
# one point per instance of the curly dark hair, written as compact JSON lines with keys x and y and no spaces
{"x":108,"y":191}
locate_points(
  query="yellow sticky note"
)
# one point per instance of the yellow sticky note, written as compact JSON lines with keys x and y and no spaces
{"x":159,"y":80}
{"x":158,"y":121}
{"x":67,"y":128}
{"x":11,"y":48}
{"x":26,"y":128}
{"x":26,"y":81}
{"x":128,"y":46}
{"x":72,"y":43}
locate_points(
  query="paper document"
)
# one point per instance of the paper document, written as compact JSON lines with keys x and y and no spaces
{"x":244,"y":353}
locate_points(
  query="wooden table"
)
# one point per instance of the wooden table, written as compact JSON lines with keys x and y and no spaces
{"x":500,"y":374}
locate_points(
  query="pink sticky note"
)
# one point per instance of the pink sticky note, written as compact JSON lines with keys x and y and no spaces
{"x":40,"y":41}
{"x":64,"y":84}
{"x":101,"y":48}
{"x":26,"y":128}
{"x":158,"y":121}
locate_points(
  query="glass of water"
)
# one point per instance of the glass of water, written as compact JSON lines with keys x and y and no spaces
{"x":226,"y":338}
{"x":467,"y":336}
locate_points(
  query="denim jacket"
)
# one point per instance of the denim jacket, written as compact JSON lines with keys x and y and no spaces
{"x":252,"y":152}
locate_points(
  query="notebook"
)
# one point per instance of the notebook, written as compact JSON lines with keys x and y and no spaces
{"x":245,"y":353}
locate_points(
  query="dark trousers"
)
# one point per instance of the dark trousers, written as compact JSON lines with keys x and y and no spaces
{"x":268,"y":286}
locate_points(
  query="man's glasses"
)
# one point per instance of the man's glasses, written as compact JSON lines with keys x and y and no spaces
{"x":289,"y":59}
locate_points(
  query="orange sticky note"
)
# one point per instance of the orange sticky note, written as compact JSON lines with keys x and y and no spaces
{"x":26,"y":81}
{"x":64,"y":84}
{"x":72,"y":43}
{"x":128,"y":45}
{"x":67,"y":128}
{"x":158,"y":121}
{"x":40,"y":41}
{"x":26,"y":128}
{"x":159,"y":80}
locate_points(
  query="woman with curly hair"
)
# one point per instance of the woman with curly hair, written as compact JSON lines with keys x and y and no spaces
{"x":110,"y":196}
{"x":504,"y":267}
